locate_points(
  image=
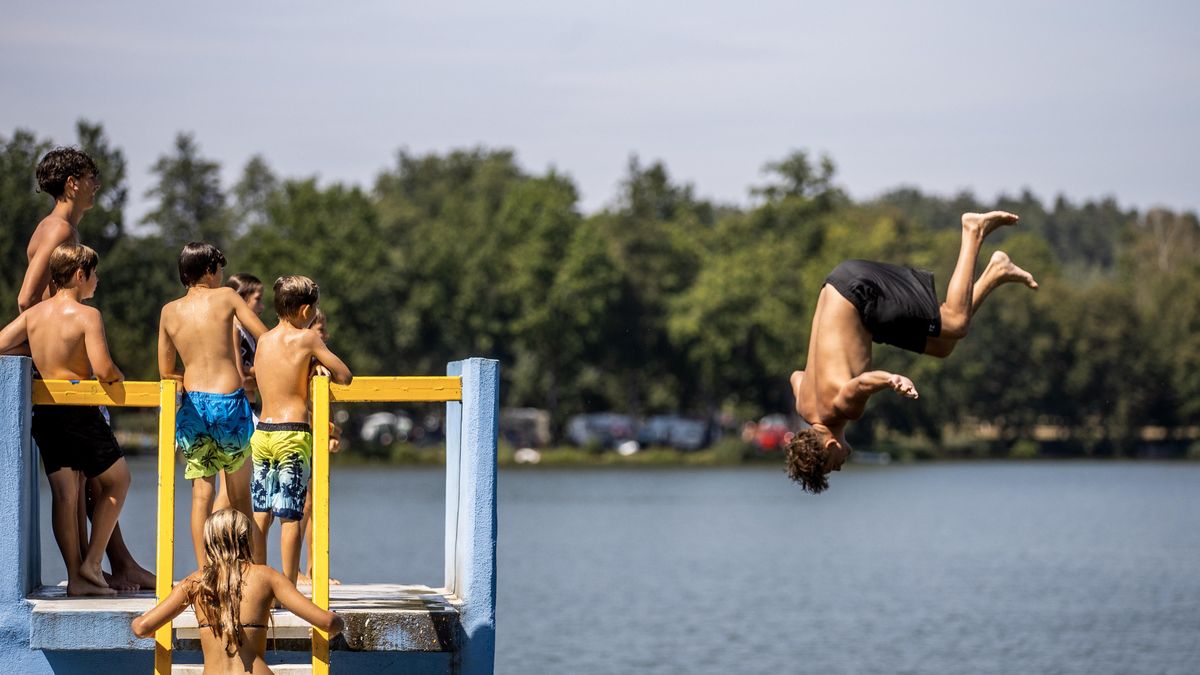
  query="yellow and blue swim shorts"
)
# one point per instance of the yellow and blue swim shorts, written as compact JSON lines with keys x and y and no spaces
{"x":282,"y":453}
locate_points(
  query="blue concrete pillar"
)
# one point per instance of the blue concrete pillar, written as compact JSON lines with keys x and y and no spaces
{"x":471,"y":433}
{"x":20,"y":565}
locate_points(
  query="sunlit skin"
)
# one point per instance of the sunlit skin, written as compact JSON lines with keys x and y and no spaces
{"x":60,"y":226}
{"x":283,"y":363}
{"x":66,"y":339}
{"x":838,"y":381}
{"x":196,"y":329}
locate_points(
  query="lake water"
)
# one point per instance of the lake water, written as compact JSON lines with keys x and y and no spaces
{"x":927,"y":568}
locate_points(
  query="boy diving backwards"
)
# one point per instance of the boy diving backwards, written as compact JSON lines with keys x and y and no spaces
{"x":864,"y":301}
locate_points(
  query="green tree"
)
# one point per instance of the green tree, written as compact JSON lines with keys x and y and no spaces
{"x":191,"y":205}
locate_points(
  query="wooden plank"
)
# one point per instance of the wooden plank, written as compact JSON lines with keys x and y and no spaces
{"x":387,"y":389}
{"x":91,"y":392}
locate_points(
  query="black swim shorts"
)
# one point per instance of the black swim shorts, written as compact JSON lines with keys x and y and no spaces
{"x":897,"y":305}
{"x":74,"y":437}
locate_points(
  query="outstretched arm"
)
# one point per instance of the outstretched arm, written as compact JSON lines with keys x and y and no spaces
{"x":14,"y":334}
{"x":295,"y":602}
{"x":246,"y":316}
{"x":174,"y":604}
{"x":852,"y":399}
{"x":339,"y":373}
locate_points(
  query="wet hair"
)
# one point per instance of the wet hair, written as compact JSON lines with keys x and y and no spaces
{"x":245,"y":284}
{"x":60,"y":164}
{"x":293,"y":292}
{"x":219,"y":592}
{"x":197,"y":259}
{"x":807,"y":458}
{"x":66,"y":259}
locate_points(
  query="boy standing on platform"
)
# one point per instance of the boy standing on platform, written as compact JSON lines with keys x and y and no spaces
{"x":214,"y":422}
{"x":66,"y":338}
{"x":282,"y":443}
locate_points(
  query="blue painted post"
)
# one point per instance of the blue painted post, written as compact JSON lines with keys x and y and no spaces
{"x":471,"y":434}
{"x":20,"y":564}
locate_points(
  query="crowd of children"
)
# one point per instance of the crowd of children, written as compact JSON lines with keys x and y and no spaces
{"x":211,"y":341}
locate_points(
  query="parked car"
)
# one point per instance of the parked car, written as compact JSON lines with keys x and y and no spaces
{"x":386,"y":428}
{"x":525,"y":427}
{"x":607,"y":430}
{"x":772,"y":433}
{"x":674,"y":431}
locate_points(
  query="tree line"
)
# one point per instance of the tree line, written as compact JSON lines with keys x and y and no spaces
{"x":662,"y":301}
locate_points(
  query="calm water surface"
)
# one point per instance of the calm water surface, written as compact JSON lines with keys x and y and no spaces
{"x":935,"y":568}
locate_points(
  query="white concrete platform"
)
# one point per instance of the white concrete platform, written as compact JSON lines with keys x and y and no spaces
{"x":379,"y":617}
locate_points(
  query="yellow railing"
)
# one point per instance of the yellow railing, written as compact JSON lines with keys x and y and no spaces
{"x":361,"y":390}
{"x":162,"y":395}
{"x":159,"y":395}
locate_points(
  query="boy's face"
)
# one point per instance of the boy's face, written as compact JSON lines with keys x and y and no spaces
{"x":87,"y":286}
{"x":256,"y":302}
{"x":84,"y":189}
{"x":319,"y":326}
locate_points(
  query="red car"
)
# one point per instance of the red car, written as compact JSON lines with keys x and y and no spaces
{"x":772,"y":433}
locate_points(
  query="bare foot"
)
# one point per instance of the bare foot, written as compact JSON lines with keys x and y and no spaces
{"x":92,"y":574}
{"x":119,"y":584}
{"x":82,"y":586}
{"x":1008,"y":272}
{"x":303,"y":579}
{"x":136,"y":576}
{"x":984,"y":224}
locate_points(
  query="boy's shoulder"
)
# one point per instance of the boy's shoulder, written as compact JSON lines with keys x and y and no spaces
{"x":54,"y":229}
{"x":58,"y":311}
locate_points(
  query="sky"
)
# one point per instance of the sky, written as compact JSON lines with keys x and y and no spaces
{"x":1087,"y":99}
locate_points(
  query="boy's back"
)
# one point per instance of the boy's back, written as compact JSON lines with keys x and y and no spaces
{"x":282,"y":363}
{"x":56,"y":338}
{"x":200,"y":326}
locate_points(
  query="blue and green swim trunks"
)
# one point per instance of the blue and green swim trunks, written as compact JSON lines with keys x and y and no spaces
{"x":213,"y":432}
{"x":282,"y":466}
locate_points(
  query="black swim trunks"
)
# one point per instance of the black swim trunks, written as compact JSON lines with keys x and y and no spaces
{"x":897,"y":305}
{"x":75,"y":437}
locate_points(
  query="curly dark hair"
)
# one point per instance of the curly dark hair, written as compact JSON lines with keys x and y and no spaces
{"x":60,"y":164}
{"x":807,"y":459}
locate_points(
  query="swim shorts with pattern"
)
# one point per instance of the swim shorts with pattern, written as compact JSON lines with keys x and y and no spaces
{"x":213,"y":432}
{"x":282,"y":466}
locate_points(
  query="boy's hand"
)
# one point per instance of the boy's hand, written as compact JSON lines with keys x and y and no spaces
{"x":320,"y":371}
{"x":903,"y":386}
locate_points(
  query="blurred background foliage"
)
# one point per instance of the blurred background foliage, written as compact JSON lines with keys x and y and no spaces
{"x":663,"y":301}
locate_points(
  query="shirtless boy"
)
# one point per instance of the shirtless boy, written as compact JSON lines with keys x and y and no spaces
{"x":865,"y":301}
{"x":213,"y":425}
{"x":72,"y":179}
{"x":66,"y":338}
{"x":282,"y":443}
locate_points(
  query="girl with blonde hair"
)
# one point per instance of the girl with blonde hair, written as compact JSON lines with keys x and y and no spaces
{"x":233,"y":597}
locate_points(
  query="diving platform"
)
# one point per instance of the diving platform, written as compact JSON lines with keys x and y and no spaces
{"x":390,"y":628}
{"x":379,"y":618}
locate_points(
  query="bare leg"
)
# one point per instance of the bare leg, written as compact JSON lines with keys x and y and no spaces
{"x":114,"y":485}
{"x":956,"y":310}
{"x":222,"y":501}
{"x":127,"y":574}
{"x":262,"y":525}
{"x":64,"y":485}
{"x":237,"y":488}
{"x":306,"y":526}
{"x":1000,"y":270}
{"x":202,"y":499}
{"x":289,"y":547}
